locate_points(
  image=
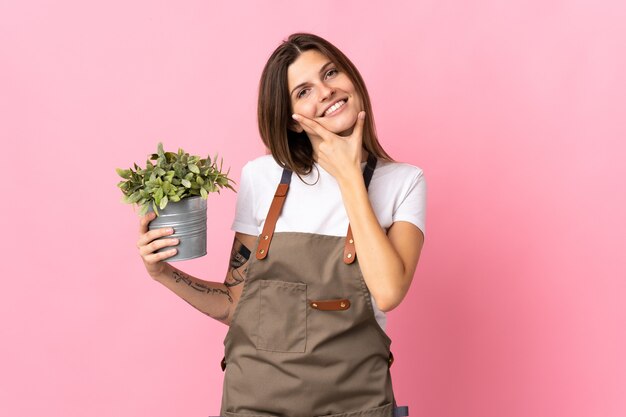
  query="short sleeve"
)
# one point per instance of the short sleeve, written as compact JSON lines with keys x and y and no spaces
{"x":412,"y":207}
{"x":245,"y":219}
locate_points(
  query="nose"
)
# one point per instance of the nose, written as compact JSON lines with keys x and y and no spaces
{"x":326,"y":91}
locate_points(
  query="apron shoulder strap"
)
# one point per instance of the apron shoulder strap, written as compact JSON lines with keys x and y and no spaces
{"x":349,"y":252}
{"x":272,"y":216}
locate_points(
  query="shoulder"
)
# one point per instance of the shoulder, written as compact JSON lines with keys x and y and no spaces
{"x":400,"y":189}
{"x":263,"y":169}
{"x":261,"y":175}
{"x":256,"y":184}
{"x":397,"y":184}
{"x":398,"y":172}
{"x":265,"y":163}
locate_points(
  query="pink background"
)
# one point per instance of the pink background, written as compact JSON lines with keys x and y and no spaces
{"x":515,"y":111}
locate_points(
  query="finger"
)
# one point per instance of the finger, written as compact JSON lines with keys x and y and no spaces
{"x":156,"y":245}
{"x":158,"y":257}
{"x":357,"y":132}
{"x":143,"y":224}
{"x":311,"y":126}
{"x":148,"y":237}
{"x":146,"y":240}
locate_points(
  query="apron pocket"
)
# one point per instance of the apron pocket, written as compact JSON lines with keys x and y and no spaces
{"x":382,"y":411}
{"x":282,"y":316}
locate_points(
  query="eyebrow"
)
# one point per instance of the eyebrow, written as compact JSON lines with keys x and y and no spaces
{"x":321,"y":71}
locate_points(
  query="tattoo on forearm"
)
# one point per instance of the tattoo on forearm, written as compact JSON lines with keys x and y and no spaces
{"x":239,"y":254}
{"x":198,"y":286}
{"x":238,"y":267}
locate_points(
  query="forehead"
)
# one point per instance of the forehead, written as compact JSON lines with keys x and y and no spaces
{"x":306,"y":67}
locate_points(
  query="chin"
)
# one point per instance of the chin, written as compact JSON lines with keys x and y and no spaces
{"x":341,"y":129}
{"x":345,"y":131}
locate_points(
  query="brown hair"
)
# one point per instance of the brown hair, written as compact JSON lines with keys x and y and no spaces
{"x":291,"y":149}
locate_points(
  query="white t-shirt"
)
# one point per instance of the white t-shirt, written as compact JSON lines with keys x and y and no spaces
{"x":397,"y":192}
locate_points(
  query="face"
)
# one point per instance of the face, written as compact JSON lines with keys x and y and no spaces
{"x":320,"y":91}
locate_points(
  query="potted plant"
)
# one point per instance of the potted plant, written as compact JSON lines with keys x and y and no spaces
{"x":176,"y":188}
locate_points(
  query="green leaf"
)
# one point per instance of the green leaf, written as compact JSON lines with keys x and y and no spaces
{"x":144,"y":209}
{"x":186,"y":183}
{"x":124,"y":173}
{"x":163,"y":203}
{"x":193,"y":168}
{"x":199,"y":180}
{"x":134,"y":197}
{"x":203,"y":193}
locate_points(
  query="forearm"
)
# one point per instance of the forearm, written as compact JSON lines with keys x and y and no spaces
{"x":387,"y":262}
{"x":214,"y":299}
{"x":382,"y":267}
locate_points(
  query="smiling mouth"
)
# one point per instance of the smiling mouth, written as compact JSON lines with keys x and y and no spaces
{"x":332,"y":109}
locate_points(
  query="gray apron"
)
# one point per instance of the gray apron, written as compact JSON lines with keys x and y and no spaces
{"x":303,"y":340}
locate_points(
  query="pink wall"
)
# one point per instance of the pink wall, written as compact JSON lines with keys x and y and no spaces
{"x":515,"y":110}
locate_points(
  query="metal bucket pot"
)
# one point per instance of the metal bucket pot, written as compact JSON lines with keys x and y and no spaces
{"x":188,"y":219}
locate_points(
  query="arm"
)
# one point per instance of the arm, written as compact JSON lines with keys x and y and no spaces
{"x":215,"y":299}
{"x":387,"y":260}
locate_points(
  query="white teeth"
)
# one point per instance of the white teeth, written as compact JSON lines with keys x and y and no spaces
{"x":334,"y":107}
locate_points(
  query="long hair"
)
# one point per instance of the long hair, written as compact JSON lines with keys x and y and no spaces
{"x":291,"y":149}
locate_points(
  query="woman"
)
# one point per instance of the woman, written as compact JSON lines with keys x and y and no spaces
{"x":306,"y":334}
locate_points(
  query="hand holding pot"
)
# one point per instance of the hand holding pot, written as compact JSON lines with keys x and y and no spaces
{"x":148,"y":243}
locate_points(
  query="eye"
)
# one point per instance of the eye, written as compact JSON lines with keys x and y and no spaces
{"x":331,"y":73}
{"x":302,"y":93}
